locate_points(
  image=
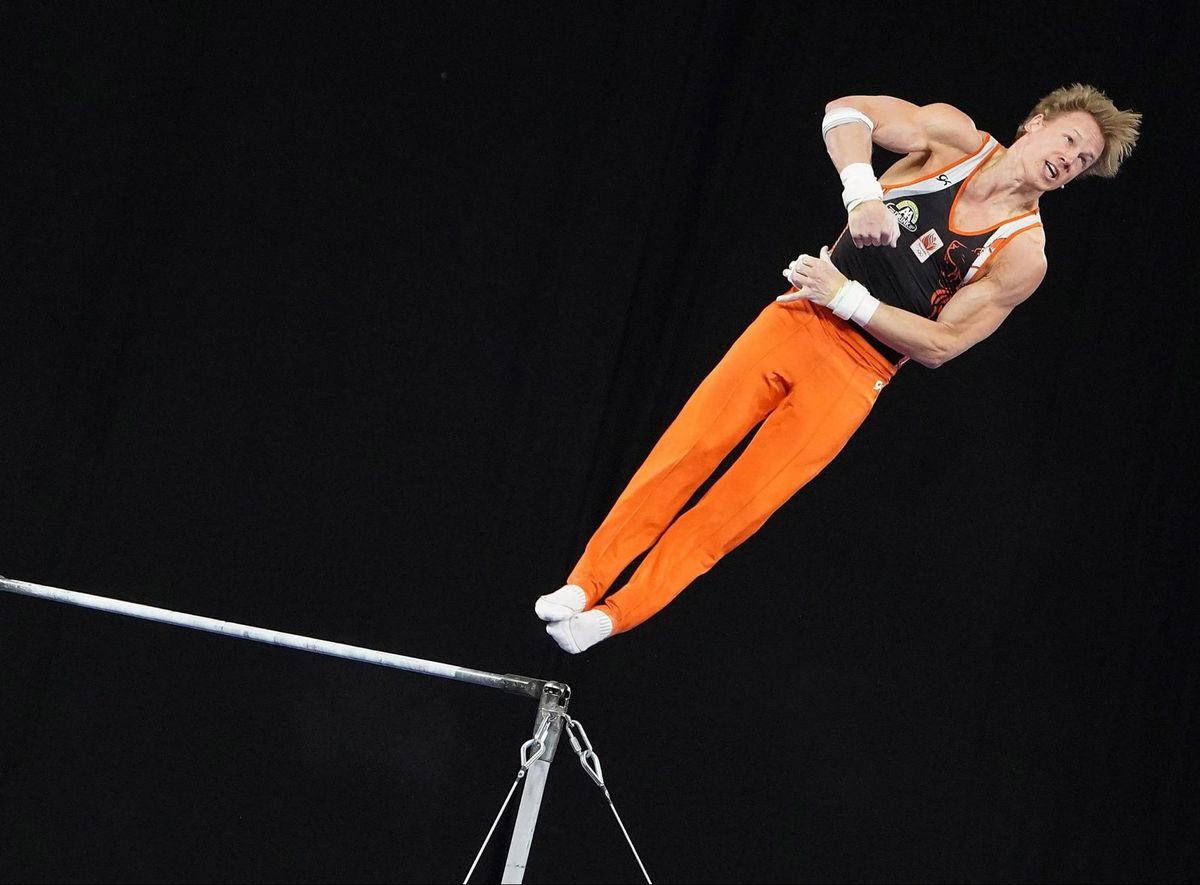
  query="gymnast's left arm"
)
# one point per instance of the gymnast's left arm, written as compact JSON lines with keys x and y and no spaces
{"x":974,"y":312}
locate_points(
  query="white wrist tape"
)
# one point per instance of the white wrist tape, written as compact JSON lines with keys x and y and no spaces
{"x":854,"y":302}
{"x":841,"y":116}
{"x":859,"y":185}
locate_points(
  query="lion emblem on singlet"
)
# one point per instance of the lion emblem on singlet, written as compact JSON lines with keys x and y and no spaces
{"x":952,"y":266}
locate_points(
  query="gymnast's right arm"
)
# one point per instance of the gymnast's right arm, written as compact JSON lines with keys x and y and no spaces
{"x":850,"y":127}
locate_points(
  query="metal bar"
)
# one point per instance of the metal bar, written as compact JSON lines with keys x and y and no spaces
{"x":552,"y":707}
{"x":522,"y":685}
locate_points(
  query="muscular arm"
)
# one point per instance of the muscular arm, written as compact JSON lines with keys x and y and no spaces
{"x":901,"y":127}
{"x":974,"y":313}
{"x":922,"y":133}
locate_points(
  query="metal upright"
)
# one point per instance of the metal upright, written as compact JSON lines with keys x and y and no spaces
{"x":551,"y":709}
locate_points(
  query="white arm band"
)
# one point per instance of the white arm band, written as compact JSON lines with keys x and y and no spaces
{"x":854,"y":302}
{"x":841,"y":116}
{"x":859,"y":185}
{"x":858,"y":179}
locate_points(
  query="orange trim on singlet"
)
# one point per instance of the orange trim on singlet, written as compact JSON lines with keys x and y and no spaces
{"x":937,"y":172}
{"x":999,"y":248}
{"x":962,"y":187}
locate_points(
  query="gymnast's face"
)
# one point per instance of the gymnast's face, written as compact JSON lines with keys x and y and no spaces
{"x":1060,"y":149}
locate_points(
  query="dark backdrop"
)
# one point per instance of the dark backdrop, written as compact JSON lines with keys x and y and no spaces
{"x":352,"y":319}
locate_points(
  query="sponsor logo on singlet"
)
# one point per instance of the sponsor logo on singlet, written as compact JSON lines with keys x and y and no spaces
{"x":926,"y":244}
{"x":907,"y":214}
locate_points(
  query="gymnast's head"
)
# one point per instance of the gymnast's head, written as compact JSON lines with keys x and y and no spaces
{"x":1075,"y":132}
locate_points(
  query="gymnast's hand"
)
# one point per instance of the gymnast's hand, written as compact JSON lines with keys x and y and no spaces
{"x":873,"y":224}
{"x":815,"y":279}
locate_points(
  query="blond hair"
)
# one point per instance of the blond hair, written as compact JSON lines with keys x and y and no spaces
{"x":1119,"y":128}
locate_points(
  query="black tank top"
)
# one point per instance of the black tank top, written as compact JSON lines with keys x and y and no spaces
{"x":932,"y":260}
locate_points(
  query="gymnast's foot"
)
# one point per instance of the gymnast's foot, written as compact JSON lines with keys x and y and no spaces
{"x":582,"y":631}
{"x":563,"y":603}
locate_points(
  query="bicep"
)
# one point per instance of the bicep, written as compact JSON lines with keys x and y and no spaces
{"x":977,"y":309}
{"x":906,"y":128}
{"x":974,"y":313}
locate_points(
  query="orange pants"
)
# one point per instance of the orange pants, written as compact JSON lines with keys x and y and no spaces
{"x":812,"y":377}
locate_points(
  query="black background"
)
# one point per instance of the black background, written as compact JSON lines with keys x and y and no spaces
{"x":352,"y":319}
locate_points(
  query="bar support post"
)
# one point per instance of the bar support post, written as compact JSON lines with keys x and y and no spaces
{"x":552,"y":708}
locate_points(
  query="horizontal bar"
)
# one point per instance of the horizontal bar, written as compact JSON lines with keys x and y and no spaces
{"x":522,"y":685}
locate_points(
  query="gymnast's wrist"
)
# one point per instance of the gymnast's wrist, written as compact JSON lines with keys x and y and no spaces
{"x":859,"y":185}
{"x":853,"y":302}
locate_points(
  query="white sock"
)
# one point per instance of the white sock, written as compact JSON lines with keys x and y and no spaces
{"x":565,"y":602}
{"x":582,"y":631}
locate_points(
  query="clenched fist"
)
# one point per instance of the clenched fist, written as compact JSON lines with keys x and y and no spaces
{"x":873,"y":224}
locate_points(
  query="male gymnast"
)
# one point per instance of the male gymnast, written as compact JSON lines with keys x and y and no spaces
{"x":935,"y":255}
